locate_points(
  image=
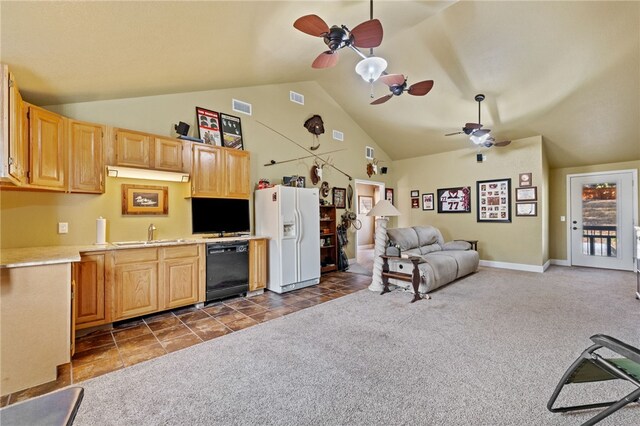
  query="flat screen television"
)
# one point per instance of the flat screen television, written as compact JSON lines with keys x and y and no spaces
{"x":219,"y":216}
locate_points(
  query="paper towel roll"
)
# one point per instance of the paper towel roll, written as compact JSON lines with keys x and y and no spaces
{"x":101,"y":230}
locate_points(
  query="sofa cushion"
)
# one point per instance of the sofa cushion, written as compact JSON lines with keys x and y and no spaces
{"x":466,"y":260}
{"x":457,"y":245}
{"x":429,"y":238}
{"x":443,"y":268}
{"x":405,"y":238}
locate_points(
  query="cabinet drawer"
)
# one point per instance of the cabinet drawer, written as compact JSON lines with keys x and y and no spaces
{"x":135,"y":255}
{"x":188,"y":250}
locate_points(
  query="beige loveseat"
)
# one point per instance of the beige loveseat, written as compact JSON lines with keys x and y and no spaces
{"x":444,"y":262}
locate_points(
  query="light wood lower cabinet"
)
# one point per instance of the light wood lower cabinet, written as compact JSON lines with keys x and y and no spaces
{"x":257,"y":264}
{"x":135,"y":282}
{"x":90,"y":301}
{"x":182,"y":275}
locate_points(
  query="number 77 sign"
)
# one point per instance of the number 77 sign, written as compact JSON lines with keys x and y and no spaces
{"x":454,"y":200}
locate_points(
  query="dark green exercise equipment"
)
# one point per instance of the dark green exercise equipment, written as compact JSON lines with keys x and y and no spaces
{"x":591,"y":367}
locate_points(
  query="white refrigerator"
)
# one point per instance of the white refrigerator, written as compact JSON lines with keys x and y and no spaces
{"x":290,"y":217}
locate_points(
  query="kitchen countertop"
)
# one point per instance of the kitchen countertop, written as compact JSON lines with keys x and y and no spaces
{"x":37,"y":256}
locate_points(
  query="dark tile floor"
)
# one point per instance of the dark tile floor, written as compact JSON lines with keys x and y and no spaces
{"x":142,"y":339}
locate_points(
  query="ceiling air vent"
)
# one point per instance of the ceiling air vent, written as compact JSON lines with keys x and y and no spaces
{"x":242,"y":107}
{"x":296,"y":97}
{"x":338,"y":135}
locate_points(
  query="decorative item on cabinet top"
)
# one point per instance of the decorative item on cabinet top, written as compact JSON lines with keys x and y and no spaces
{"x":130,"y":172}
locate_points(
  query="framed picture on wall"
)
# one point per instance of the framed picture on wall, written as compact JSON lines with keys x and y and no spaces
{"x":524,"y":179}
{"x":427,"y":201}
{"x":145,"y":199}
{"x":494,"y":200}
{"x":526,"y":209}
{"x":339,"y":197}
{"x":365,"y":203}
{"x":415,"y":193}
{"x":527,"y":194}
{"x":388,"y":195}
{"x":454,"y":200}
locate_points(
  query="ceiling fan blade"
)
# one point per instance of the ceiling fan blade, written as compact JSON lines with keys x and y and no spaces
{"x":455,"y":133}
{"x":382,"y":99}
{"x":392,"y":79}
{"x":421,"y":88}
{"x":481,"y":132}
{"x":474,"y":126}
{"x":488,"y":144}
{"x":502,"y":143}
{"x":325,"y":60}
{"x":367,"y":34}
{"x":312,"y":25}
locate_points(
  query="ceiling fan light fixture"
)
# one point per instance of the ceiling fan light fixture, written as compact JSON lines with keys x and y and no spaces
{"x":479,"y":140}
{"x":371,"y":68}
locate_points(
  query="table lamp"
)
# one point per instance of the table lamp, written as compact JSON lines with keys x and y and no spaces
{"x":383,"y":210}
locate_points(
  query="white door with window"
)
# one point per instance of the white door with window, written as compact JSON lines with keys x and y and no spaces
{"x":602,"y":211}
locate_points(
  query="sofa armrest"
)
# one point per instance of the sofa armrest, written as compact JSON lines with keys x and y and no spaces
{"x":458,"y":245}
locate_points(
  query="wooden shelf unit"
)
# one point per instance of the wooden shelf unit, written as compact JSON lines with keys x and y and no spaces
{"x":328,"y":239}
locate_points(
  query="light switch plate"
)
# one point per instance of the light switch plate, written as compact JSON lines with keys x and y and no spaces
{"x":63,"y":228}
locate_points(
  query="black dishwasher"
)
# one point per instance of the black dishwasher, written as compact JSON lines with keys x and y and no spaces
{"x":227,"y":269}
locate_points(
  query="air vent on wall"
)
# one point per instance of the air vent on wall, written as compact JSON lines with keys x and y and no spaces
{"x":338,"y":135}
{"x":296,"y":97}
{"x":242,"y":107}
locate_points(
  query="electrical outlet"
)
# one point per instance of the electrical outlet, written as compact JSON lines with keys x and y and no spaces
{"x":63,"y":227}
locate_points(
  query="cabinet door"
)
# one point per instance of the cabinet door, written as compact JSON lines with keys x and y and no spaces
{"x":207,"y":172}
{"x":136,"y":289}
{"x":238,"y":173}
{"x":257,"y":264}
{"x":90,"y":299}
{"x":46,"y":149}
{"x":181,"y":281}
{"x":18,"y":133}
{"x":167,"y":155}
{"x":86,"y":157}
{"x":133,"y":149}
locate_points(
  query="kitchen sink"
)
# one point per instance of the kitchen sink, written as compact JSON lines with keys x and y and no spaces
{"x":147,"y":243}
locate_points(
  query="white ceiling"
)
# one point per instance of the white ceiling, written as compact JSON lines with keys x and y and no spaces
{"x":569,"y":71}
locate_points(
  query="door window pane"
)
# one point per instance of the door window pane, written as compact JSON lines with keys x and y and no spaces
{"x":599,"y":219}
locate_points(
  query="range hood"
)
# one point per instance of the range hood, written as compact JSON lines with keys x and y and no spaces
{"x":130,"y":172}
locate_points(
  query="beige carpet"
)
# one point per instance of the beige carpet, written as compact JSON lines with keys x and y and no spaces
{"x":486,"y":350}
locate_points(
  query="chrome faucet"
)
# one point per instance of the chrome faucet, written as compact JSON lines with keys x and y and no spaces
{"x":152,"y":228}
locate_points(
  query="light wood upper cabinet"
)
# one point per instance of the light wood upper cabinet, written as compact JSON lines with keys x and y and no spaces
{"x":86,"y":162}
{"x":91,"y":299}
{"x":167,"y":154}
{"x":207,"y":171}
{"x":18,"y":134}
{"x":47,"y":149}
{"x":133,"y":149}
{"x":220,"y":172}
{"x":257,"y":264}
{"x":238,"y":173}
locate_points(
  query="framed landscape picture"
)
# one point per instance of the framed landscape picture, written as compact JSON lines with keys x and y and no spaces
{"x":494,"y":200}
{"x":144,"y":199}
{"x":427,"y":201}
{"x":231,"y":131}
{"x":454,"y":200}
{"x":209,"y":126}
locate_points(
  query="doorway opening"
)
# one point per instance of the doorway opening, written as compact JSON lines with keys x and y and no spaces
{"x":602,"y":211}
{"x":367,"y":194}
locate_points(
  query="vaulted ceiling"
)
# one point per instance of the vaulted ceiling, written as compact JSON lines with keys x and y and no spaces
{"x":569,"y":71}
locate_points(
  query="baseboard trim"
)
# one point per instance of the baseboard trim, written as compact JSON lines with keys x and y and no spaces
{"x":514,"y":266}
{"x":352,"y":260}
{"x":560,"y":262}
{"x":366,"y":246}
